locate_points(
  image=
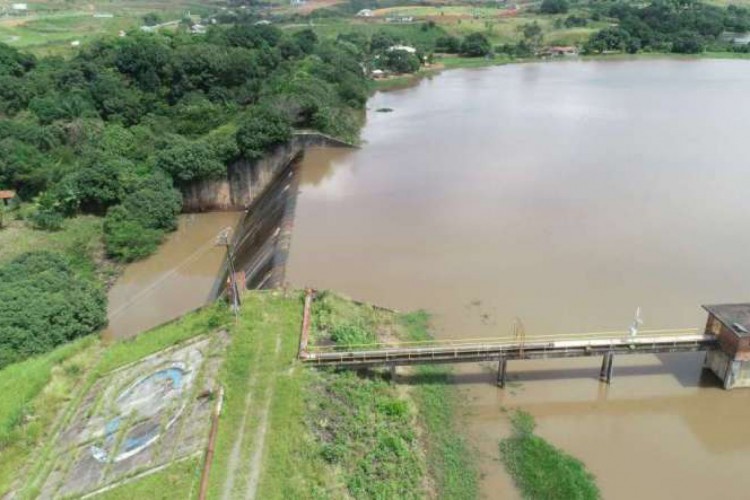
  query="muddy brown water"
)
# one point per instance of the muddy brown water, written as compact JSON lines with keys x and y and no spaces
{"x":178,"y":278}
{"x":566,"y":195}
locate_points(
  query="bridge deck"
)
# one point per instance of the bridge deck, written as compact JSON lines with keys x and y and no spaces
{"x":561,"y":346}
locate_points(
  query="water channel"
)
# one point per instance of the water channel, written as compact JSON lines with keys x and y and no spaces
{"x":566,"y":195}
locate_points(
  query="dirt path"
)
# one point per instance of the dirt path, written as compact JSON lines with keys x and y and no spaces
{"x":260,"y":435}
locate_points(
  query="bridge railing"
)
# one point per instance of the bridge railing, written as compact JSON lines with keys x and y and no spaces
{"x":616,"y":336}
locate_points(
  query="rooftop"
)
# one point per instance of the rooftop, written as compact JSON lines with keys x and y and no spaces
{"x":736,"y":317}
{"x":7,"y":195}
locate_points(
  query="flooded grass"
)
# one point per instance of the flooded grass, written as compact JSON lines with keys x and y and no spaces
{"x":541,"y":470}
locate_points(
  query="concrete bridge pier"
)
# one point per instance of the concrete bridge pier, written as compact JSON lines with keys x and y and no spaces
{"x":502,"y":366}
{"x":605,"y":374}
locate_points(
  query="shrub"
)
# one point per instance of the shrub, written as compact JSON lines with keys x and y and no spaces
{"x":476,"y":45}
{"x":554,"y":7}
{"x":44,"y":303}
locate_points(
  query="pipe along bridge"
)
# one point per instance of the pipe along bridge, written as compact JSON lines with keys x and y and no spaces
{"x":605,"y":344}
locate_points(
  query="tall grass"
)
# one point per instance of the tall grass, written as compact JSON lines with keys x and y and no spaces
{"x":449,"y":456}
{"x":539,"y":469}
{"x":21,"y":382}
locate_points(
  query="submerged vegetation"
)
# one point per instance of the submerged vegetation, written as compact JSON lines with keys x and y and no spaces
{"x":539,"y":469}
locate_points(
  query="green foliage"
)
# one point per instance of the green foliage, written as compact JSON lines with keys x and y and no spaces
{"x":683,"y":27}
{"x":48,"y":215}
{"x":476,"y":45}
{"x":190,"y":161}
{"x":44,"y":303}
{"x":400,"y":61}
{"x":351,"y":334}
{"x":134,"y":229}
{"x":260,"y":130}
{"x":448,"y":44}
{"x":554,"y":7}
{"x":539,"y":469}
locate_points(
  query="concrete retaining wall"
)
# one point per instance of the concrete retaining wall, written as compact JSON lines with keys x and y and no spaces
{"x":246,"y":179}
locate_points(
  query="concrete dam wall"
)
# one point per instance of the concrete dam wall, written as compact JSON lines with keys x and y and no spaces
{"x":247,"y":179}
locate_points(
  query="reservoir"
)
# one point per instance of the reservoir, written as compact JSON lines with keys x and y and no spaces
{"x":565,"y":195}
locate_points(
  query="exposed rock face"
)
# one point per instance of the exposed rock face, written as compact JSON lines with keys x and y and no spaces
{"x":245,"y":179}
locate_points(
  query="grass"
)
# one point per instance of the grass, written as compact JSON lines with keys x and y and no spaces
{"x":449,"y":457}
{"x":33,"y":392}
{"x":539,"y":469}
{"x":176,"y":482}
{"x":80,"y":240}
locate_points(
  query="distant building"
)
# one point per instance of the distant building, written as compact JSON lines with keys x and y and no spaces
{"x":264,"y":22}
{"x":405,"y":48}
{"x":19,"y":7}
{"x":75,"y":43}
{"x":559,"y":51}
{"x":7,"y":197}
{"x":365,"y":13}
{"x":198,"y":29}
{"x":378,"y":73}
{"x":399,"y":19}
{"x":103,"y":15}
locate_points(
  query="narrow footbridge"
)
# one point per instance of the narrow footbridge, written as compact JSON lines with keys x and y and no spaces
{"x":503,"y":349}
{"x":538,"y":347}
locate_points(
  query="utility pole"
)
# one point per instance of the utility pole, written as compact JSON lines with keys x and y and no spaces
{"x":224,"y":239}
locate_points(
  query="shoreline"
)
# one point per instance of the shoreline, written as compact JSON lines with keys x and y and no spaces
{"x":456,"y":62}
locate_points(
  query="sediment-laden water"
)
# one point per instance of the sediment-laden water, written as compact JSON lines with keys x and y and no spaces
{"x":565,"y":195}
{"x":178,"y":278}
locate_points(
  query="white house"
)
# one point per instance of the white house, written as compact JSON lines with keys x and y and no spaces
{"x":365,"y":13}
{"x":405,"y":48}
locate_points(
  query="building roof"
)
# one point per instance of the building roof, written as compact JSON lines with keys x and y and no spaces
{"x":736,"y":317}
{"x":7,"y":195}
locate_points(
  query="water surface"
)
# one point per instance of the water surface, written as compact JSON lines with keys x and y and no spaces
{"x":565,"y":195}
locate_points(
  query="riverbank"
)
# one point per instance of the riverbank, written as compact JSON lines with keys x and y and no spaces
{"x":457,"y":62}
{"x":285,"y":430}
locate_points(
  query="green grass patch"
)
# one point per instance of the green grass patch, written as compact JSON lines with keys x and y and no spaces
{"x":541,"y":470}
{"x":32,"y":393}
{"x":179,"y":481}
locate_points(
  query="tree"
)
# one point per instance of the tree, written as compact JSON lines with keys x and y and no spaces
{"x":189,"y":161}
{"x":448,"y":44}
{"x":554,"y":7}
{"x":476,"y":45}
{"x":532,"y":36}
{"x":260,"y":130}
{"x":400,"y":61}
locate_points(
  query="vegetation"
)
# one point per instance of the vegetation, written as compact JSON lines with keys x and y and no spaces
{"x":539,"y":469}
{"x":111,"y":130}
{"x":43,"y":304}
{"x":681,"y":27}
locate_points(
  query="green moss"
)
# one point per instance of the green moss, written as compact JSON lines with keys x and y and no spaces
{"x":541,"y":470}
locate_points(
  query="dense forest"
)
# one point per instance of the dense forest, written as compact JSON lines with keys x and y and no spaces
{"x":115,"y":129}
{"x":680,"y":26}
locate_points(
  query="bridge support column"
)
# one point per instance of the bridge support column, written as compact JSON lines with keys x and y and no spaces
{"x":605,"y":374}
{"x":502,"y":366}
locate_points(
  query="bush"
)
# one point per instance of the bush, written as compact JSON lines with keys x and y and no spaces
{"x":44,"y":303}
{"x":554,"y":7}
{"x":190,"y":161}
{"x":476,"y":45}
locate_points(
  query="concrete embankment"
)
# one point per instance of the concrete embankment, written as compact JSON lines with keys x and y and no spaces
{"x":246,"y":179}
